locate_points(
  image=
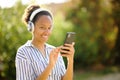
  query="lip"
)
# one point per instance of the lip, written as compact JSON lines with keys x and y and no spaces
{"x":45,"y":36}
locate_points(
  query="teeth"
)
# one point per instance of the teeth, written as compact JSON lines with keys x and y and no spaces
{"x":45,"y":36}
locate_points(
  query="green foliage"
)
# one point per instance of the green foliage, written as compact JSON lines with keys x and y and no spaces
{"x":12,"y":33}
{"x":95,"y":32}
{"x":116,"y":17}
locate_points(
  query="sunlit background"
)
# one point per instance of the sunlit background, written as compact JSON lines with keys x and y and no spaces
{"x":10,"y":3}
{"x":97,"y":27}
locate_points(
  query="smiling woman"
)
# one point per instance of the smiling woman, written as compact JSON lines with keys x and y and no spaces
{"x":38,"y":60}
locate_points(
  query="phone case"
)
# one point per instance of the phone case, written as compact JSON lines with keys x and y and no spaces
{"x":70,"y":37}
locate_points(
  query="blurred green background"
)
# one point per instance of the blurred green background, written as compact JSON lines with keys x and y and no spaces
{"x":97,"y":27}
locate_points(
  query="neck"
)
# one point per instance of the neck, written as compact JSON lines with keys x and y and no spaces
{"x":38,"y":44}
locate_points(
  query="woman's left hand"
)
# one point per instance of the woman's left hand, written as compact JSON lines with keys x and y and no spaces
{"x":68,"y":51}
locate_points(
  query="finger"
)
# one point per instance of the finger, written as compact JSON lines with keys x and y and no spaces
{"x":66,"y":48}
{"x":56,"y":50}
{"x":68,"y":45}
{"x":60,"y":46}
{"x":65,"y":51}
{"x":53,"y":51}
{"x":64,"y":55}
{"x":73,"y":43}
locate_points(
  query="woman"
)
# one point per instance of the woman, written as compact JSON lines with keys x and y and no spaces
{"x":37,"y":60}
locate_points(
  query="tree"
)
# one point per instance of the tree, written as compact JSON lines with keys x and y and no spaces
{"x":116,"y":16}
{"x":93,"y":24}
{"x":11,"y":34}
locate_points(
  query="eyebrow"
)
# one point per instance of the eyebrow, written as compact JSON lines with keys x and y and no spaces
{"x":45,"y":25}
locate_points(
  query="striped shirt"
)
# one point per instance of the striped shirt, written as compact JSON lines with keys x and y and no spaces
{"x":30,"y":63}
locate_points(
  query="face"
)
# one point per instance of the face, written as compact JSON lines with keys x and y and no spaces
{"x":43,"y":28}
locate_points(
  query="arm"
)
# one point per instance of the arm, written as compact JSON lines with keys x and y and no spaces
{"x":45,"y":73}
{"x":69,"y":71}
{"x":70,"y":56}
{"x":53,"y":58}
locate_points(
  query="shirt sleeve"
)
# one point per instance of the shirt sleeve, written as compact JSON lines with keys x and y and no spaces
{"x":24,"y":69}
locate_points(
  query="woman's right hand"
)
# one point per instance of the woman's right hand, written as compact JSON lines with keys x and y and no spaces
{"x":54,"y":56}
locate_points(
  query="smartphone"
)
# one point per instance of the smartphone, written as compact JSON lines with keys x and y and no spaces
{"x":70,"y":37}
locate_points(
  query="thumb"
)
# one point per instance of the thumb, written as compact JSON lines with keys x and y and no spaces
{"x":73,"y":43}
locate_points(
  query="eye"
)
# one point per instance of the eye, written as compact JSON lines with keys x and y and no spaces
{"x":50,"y":27}
{"x":41,"y":27}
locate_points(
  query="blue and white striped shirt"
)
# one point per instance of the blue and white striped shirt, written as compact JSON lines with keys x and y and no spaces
{"x":30,"y":63}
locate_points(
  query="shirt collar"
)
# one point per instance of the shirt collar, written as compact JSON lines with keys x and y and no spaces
{"x":29,"y":43}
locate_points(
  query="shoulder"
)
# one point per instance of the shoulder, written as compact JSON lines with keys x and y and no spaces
{"x":21,"y":52}
{"x":25,"y":45}
{"x":21,"y":48}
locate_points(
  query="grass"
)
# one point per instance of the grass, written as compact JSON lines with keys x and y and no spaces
{"x":96,"y":75}
{"x":83,"y":75}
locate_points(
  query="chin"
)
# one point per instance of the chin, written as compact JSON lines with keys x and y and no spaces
{"x":42,"y":39}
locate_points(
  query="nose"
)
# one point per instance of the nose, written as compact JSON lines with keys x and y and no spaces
{"x":47,"y":30}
